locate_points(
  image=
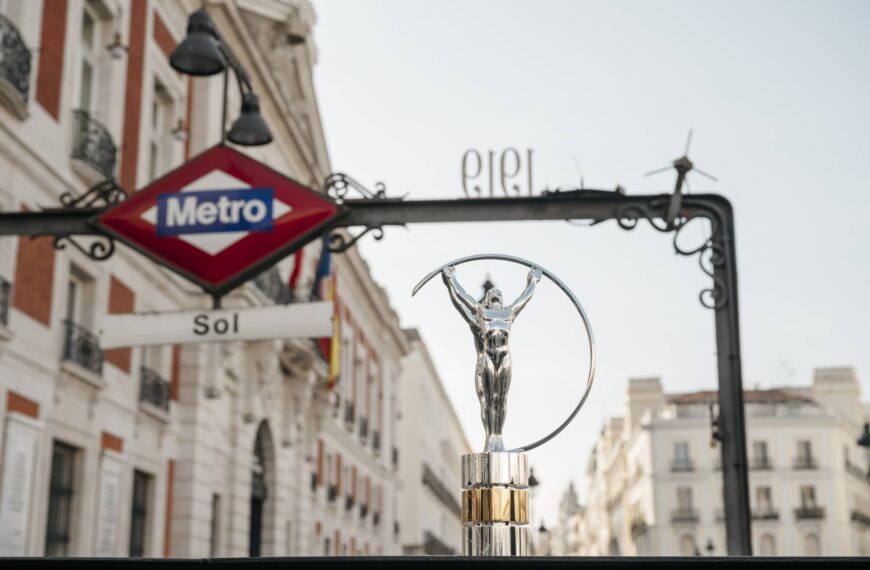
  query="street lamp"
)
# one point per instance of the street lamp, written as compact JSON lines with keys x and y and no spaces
{"x":203,"y":53}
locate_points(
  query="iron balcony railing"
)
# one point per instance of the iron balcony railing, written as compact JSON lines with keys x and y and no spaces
{"x":348,"y":414}
{"x":273,"y":287}
{"x":14,"y":59}
{"x":332,"y":493}
{"x":434,"y":546}
{"x":364,"y":428}
{"x":805,"y":462}
{"x":348,"y":502}
{"x":363,"y":511}
{"x":93,"y":145}
{"x":314,"y":482}
{"x":376,"y":518}
{"x":395,"y":457}
{"x":376,"y":440}
{"x":682,"y":465}
{"x":761,"y":464}
{"x":81,"y":347}
{"x":5,"y":298}
{"x":154,"y":389}
{"x":440,"y":490}
{"x":684,"y":514}
{"x":765,"y":514}
{"x":857,"y":471}
{"x":860,"y":517}
{"x":809,"y":512}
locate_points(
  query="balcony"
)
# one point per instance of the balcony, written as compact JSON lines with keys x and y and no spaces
{"x":364,"y":428}
{"x":682,"y":465}
{"x":440,"y":490}
{"x":363,"y":511}
{"x":314,"y":482}
{"x":805,"y":462}
{"x":80,"y":346}
{"x":396,"y":527}
{"x":332,"y":493}
{"x":807,"y":512}
{"x":14,"y":67}
{"x":154,"y":389}
{"x":395,"y":457}
{"x":860,"y":518}
{"x":93,"y":145}
{"x":376,"y":441}
{"x":270,"y":284}
{"x":851,"y":468}
{"x":5,"y":299}
{"x":760,"y":464}
{"x":432,"y":545}
{"x":765,"y":514}
{"x":348,"y":503}
{"x":348,"y":414}
{"x":376,"y":519}
{"x":684,"y":515}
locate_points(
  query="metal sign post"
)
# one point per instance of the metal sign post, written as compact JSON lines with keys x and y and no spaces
{"x":667,"y":213}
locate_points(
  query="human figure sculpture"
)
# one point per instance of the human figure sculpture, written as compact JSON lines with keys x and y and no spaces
{"x":491,"y":321}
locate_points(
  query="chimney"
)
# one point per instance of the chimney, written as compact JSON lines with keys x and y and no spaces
{"x":838,"y":390}
{"x":643,"y":394}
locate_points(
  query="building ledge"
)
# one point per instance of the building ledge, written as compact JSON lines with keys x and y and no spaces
{"x":151,"y":410}
{"x":81,"y":373}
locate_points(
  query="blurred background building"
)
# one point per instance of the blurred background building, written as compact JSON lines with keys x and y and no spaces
{"x":432,"y":444}
{"x":655,"y":483}
{"x":204,"y":450}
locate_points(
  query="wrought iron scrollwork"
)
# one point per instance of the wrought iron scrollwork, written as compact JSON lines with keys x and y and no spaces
{"x":338,"y":185}
{"x":710,"y":252}
{"x":14,"y":58}
{"x":339,"y":242}
{"x":106,"y":193}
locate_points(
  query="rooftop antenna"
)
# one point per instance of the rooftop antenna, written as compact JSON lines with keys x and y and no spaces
{"x":683,"y":166}
{"x":579,"y":172}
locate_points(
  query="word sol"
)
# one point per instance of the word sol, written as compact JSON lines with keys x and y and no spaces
{"x":503,"y":173}
{"x":202,"y":325}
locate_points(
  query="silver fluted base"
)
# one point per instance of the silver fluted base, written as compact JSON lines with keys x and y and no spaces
{"x":495,"y":540}
{"x":495,"y":504}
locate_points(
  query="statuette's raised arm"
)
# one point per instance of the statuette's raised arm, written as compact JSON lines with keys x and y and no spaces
{"x":534,"y":277}
{"x":460,"y":297}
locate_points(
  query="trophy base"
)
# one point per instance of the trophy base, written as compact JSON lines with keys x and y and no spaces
{"x":495,"y":504}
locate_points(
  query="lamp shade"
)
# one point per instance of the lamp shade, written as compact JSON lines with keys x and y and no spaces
{"x":198,"y":54}
{"x":250,"y":129}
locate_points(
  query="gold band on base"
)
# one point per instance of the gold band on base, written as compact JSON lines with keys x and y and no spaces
{"x":495,"y":504}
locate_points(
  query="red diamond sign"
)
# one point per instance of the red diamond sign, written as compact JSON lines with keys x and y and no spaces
{"x":220,"y":218}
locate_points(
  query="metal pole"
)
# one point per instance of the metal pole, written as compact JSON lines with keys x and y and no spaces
{"x":732,"y":422}
{"x":224,"y":110}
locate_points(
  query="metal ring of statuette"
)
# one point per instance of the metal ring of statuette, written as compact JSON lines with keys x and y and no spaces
{"x":519,"y":261}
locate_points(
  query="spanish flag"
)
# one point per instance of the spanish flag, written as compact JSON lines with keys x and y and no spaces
{"x":325,"y":289}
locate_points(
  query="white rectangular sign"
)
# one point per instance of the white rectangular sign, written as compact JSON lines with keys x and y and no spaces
{"x":252,"y":323}
{"x":107,"y":508}
{"x":18,"y":456}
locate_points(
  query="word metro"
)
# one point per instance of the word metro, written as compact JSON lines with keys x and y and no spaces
{"x":212,"y":211}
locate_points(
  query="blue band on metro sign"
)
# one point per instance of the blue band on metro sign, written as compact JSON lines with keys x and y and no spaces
{"x":212,"y":211}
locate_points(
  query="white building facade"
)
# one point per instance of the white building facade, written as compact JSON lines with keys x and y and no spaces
{"x":655,"y":481}
{"x":193,"y":450}
{"x":433,"y":443}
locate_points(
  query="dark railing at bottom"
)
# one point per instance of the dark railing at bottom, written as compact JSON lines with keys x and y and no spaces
{"x":5,"y":300}
{"x":154,"y":389}
{"x":82,"y":347}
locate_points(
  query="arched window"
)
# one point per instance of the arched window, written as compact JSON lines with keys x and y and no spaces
{"x":687,"y":545}
{"x":767,"y":545}
{"x":812,"y":544}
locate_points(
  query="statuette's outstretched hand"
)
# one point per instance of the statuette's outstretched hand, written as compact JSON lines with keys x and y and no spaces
{"x":535,"y":274}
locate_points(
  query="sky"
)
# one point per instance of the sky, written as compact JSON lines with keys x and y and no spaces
{"x":778,"y":96}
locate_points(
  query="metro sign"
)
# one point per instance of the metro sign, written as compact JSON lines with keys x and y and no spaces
{"x":220,"y":219}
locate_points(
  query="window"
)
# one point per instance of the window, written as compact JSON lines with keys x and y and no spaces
{"x":805,"y":452}
{"x":214,"y":531}
{"x":759,"y":453}
{"x":160,"y":145}
{"x":684,"y":498}
{"x":90,"y":42}
{"x":60,"y":500}
{"x":80,"y":298}
{"x":139,"y":514}
{"x":808,"y":497}
{"x":682,"y":462}
{"x":767,"y":545}
{"x":326,"y":547}
{"x":762,"y":499}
